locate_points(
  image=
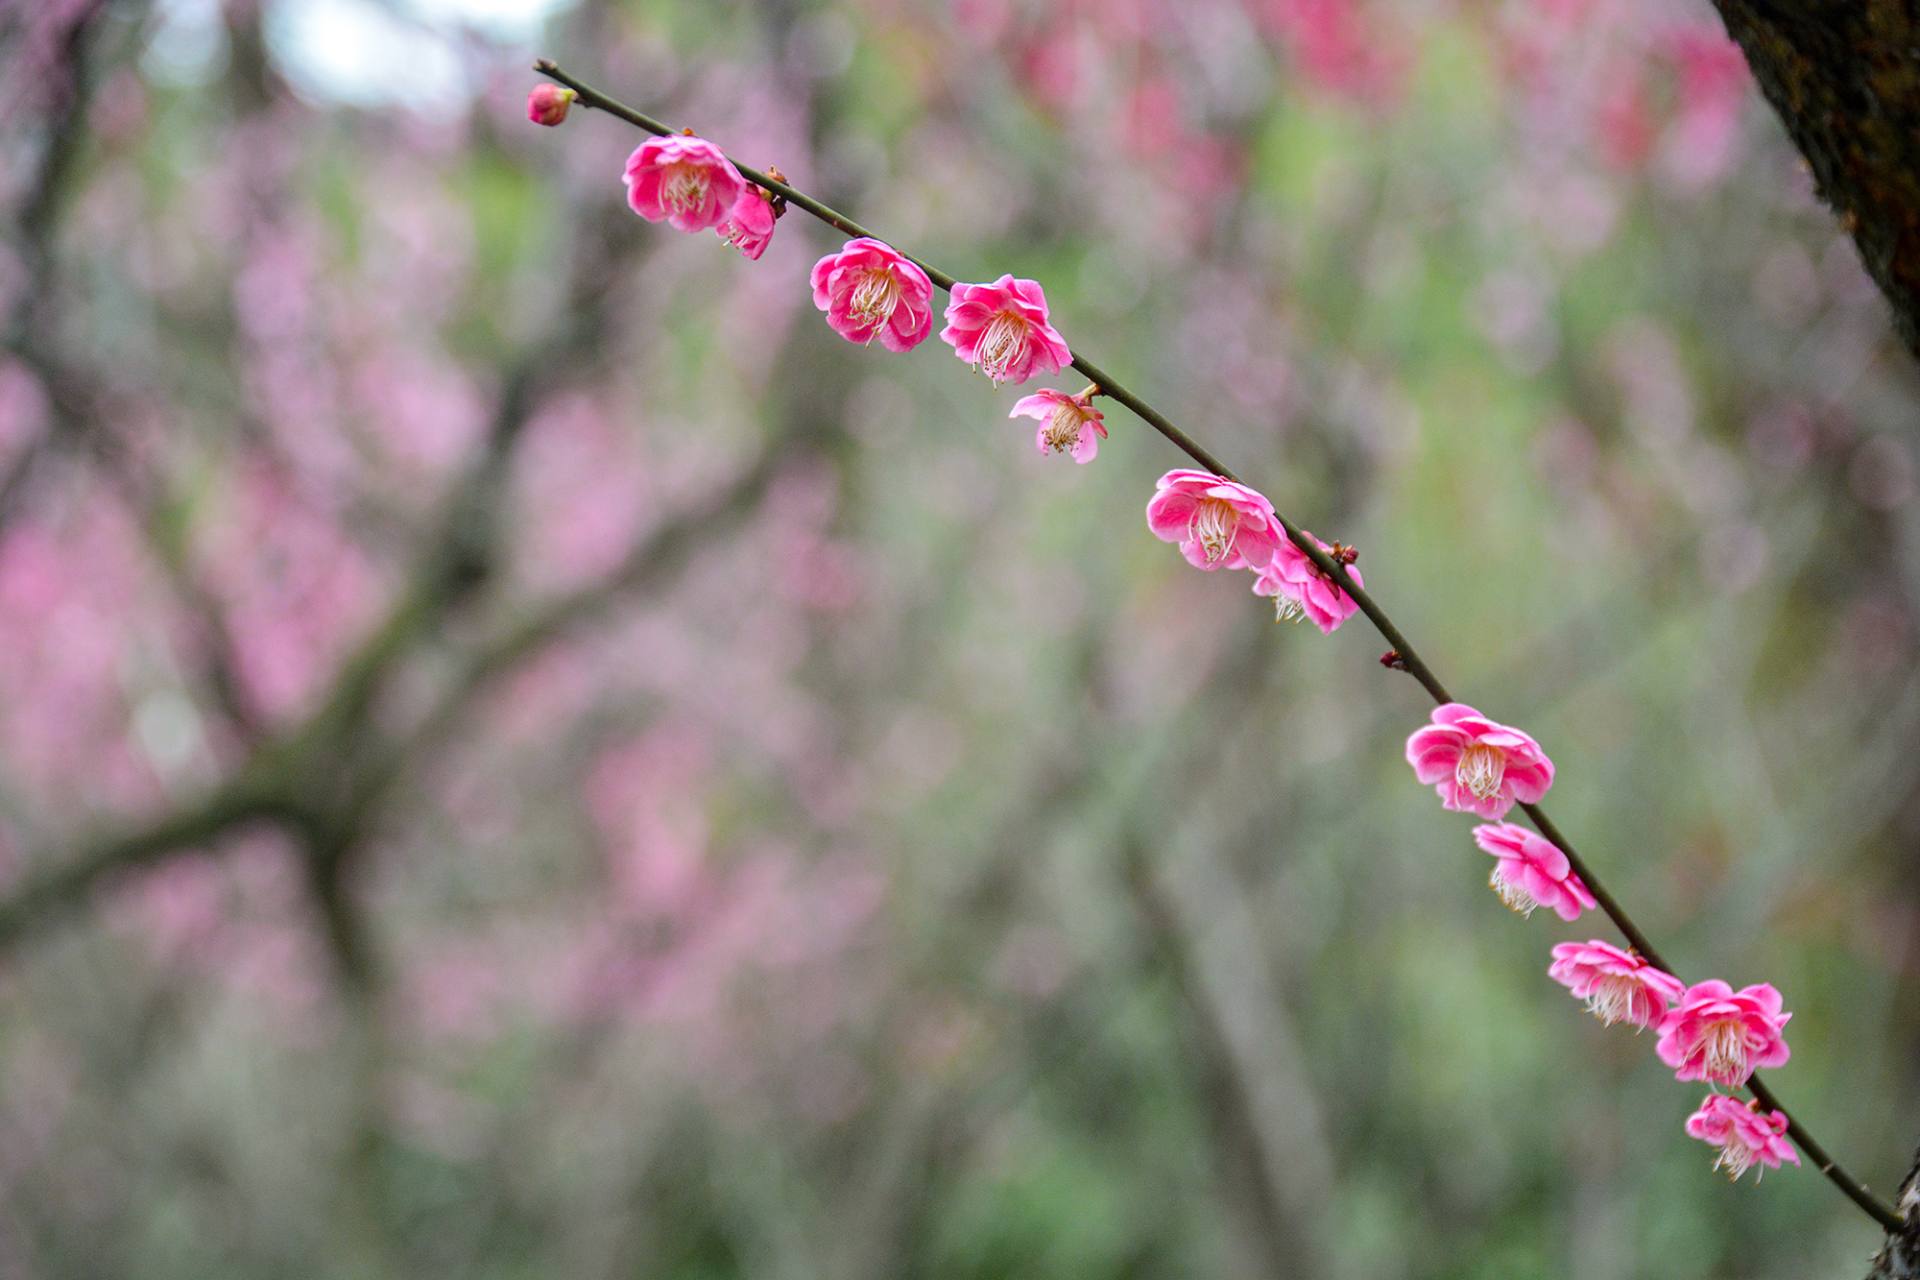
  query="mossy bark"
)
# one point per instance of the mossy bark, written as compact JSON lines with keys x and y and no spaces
{"x":1844,"y":76}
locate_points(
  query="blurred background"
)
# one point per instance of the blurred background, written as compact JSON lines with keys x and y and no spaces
{"x":522,"y":754}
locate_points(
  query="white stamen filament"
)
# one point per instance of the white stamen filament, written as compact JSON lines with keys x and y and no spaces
{"x":1511,"y":892}
{"x":1287,"y":609}
{"x":1735,"y":1159}
{"x":1215,"y":525}
{"x":1063,"y":428}
{"x":1481,"y":770}
{"x":875,"y":297}
{"x":1002,"y":345}
{"x":1724,"y":1050}
{"x":1613,"y":997}
{"x":685,"y":187}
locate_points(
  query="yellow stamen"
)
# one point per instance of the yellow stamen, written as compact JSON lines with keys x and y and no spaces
{"x":1481,"y":769}
{"x":1215,"y":525}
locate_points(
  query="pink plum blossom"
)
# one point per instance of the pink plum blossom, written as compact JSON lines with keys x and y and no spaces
{"x":1744,"y":1135}
{"x":548,"y":104}
{"x":749,"y":225}
{"x":683,"y":181}
{"x":1067,"y":423}
{"x":1002,"y":330}
{"x":1300,"y":590}
{"x":871,"y":290}
{"x":1618,"y":986}
{"x":1219,"y":523}
{"x":1530,"y":871}
{"x":1477,"y":765}
{"x":1720,"y":1035}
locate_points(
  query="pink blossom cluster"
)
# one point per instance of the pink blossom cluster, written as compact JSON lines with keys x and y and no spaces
{"x":1223,"y":524}
{"x":1707,"y":1031}
{"x":869,"y":290}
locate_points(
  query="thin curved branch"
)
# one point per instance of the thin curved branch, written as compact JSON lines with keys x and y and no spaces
{"x":1405,"y":655}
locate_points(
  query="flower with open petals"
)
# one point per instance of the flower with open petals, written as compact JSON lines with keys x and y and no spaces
{"x":1618,"y":986}
{"x":1002,"y":330}
{"x":749,"y":224}
{"x":1068,"y":424}
{"x":682,"y":181}
{"x":548,"y":103}
{"x":1720,"y":1035}
{"x":1477,"y":765}
{"x":1300,"y":590}
{"x":870,"y":290}
{"x":1745,"y":1136}
{"x":1219,"y":523}
{"x":1530,"y":871}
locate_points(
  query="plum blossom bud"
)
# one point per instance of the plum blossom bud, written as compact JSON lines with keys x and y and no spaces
{"x":1478,"y":765}
{"x":1068,"y":424}
{"x":1722,"y":1036}
{"x":1744,"y":1135}
{"x":683,"y":181}
{"x":1530,"y":871}
{"x":1002,"y":330}
{"x":548,"y":103}
{"x":1219,"y":523}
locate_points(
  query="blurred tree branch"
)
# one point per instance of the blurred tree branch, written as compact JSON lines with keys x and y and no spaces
{"x":1844,"y":76}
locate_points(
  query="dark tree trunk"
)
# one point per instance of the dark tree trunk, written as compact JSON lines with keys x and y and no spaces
{"x":1899,"y":1257}
{"x":1844,"y":76}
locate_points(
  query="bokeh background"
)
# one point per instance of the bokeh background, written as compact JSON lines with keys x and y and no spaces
{"x":523,"y":755}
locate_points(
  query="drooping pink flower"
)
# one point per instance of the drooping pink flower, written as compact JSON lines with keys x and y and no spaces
{"x":1745,"y":1136}
{"x":1530,"y":871}
{"x":1478,"y":765}
{"x":1717,"y":1034}
{"x":871,"y":290}
{"x":749,"y":224}
{"x":1002,"y":330}
{"x":1300,"y":590}
{"x":1618,"y":986}
{"x":1068,"y":424}
{"x":682,"y":181}
{"x":548,"y":103}
{"x":1219,"y":523}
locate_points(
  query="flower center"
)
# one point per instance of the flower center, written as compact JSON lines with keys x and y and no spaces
{"x":1480,"y":770}
{"x":1613,"y":997}
{"x":1723,"y":1046}
{"x":1002,"y":345}
{"x":1063,"y":428}
{"x":1287,"y":609}
{"x":1736,"y":1157}
{"x":875,"y":297}
{"x":685,"y":187}
{"x":1511,"y":892}
{"x":1215,"y":525}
